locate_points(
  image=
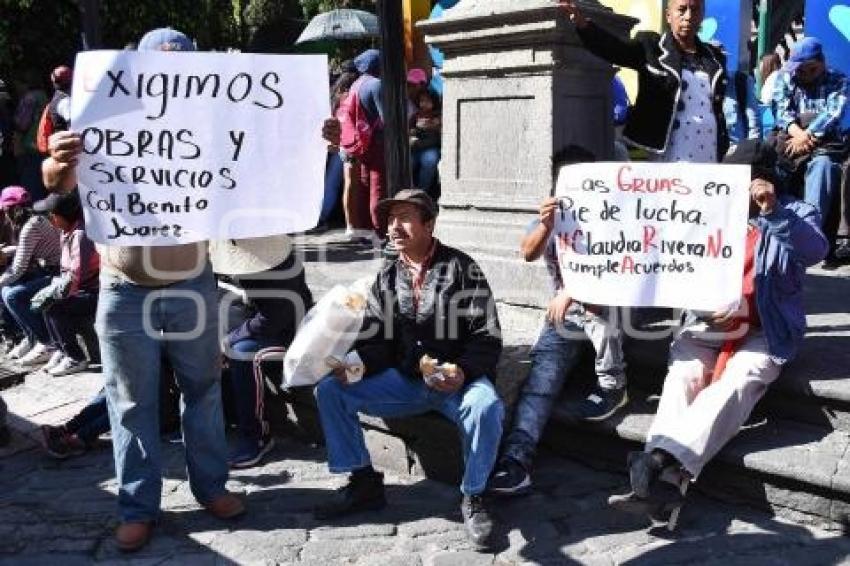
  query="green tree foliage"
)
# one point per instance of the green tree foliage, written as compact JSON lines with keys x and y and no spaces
{"x":35,"y":36}
{"x":313,"y":7}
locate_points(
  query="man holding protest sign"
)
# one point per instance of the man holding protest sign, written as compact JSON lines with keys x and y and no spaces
{"x":148,"y":294}
{"x":569,"y":326}
{"x":430,"y":342}
{"x":722,"y":363}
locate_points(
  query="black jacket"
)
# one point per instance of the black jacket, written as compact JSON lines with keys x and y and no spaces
{"x":456,"y":321}
{"x":657,"y":60}
{"x":279,"y":299}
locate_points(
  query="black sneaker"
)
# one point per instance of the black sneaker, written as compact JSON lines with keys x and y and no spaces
{"x":476,"y":519}
{"x":602,"y":403}
{"x":250,"y":452}
{"x":363,"y":492}
{"x":643,"y":471}
{"x":509,"y":478}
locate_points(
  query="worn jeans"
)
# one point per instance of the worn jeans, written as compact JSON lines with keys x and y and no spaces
{"x":823,"y":181}
{"x":17,"y":297}
{"x":553,"y":358}
{"x":136,"y":325}
{"x":695,"y":417}
{"x":476,"y":410}
{"x":423,"y":164}
{"x":92,"y":420}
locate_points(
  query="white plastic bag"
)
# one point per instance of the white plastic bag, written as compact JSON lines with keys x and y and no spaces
{"x":327,"y":332}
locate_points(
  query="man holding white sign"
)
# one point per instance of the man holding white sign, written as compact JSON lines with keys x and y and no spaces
{"x":156,"y":175}
{"x":721,"y":363}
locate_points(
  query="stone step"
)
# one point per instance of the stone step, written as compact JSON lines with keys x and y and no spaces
{"x":814,"y":388}
{"x":794,"y":470}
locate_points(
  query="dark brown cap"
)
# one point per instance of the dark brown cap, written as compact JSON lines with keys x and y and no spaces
{"x":413,"y":196}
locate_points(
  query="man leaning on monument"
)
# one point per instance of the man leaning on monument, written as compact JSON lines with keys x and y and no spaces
{"x":722,"y":363}
{"x":430,"y":342}
{"x":678,"y":114}
{"x":171,"y":289}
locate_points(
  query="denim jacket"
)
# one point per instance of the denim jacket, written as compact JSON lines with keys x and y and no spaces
{"x":791,"y":240}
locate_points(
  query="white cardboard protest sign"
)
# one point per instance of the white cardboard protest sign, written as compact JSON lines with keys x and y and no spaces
{"x":653,"y":234}
{"x":183,"y":147}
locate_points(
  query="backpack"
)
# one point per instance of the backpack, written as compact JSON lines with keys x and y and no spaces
{"x":46,"y":128}
{"x":356,"y":128}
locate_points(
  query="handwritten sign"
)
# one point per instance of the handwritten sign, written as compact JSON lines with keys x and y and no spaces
{"x":183,"y":147}
{"x":653,"y":234}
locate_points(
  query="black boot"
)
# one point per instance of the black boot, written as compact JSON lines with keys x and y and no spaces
{"x":476,"y":519}
{"x":363,"y":492}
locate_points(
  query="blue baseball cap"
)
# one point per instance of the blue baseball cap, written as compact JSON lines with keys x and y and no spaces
{"x":807,"y":49}
{"x":165,"y":39}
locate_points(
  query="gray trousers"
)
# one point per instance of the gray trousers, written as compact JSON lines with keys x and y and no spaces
{"x":695,"y":419}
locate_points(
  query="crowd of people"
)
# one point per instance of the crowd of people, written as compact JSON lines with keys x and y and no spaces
{"x":433,"y":340}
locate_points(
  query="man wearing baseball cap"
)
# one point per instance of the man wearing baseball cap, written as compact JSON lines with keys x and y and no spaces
{"x":810,"y":101}
{"x":431,"y":340}
{"x":131,"y":278}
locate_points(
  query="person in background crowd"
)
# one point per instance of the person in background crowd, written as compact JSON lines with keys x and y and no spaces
{"x":8,"y":169}
{"x":279,"y":299}
{"x":173,"y":289}
{"x":620,"y":101}
{"x":35,"y":263}
{"x":769,"y":66}
{"x":425,"y":141}
{"x":810,"y":100}
{"x":361,"y":121}
{"x":412,"y":367}
{"x":30,"y":107}
{"x":722,"y":363}
{"x":60,"y":105}
{"x":335,"y":177}
{"x":743,"y":119}
{"x":69,"y":301}
{"x":569,"y":327}
{"x":678,"y":115}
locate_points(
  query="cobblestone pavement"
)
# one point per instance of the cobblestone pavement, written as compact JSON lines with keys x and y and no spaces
{"x":63,"y":512}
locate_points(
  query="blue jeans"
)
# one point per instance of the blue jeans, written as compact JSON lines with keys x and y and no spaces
{"x":476,"y":410}
{"x":424,"y":164}
{"x":247,"y":392}
{"x":17,"y":299}
{"x":823,"y":180}
{"x":92,"y":420}
{"x":333,"y":186}
{"x":136,"y":325}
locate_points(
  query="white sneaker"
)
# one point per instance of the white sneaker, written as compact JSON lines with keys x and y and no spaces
{"x":67,"y":366}
{"x":22,"y":349}
{"x":57,"y":357}
{"x":38,"y":355}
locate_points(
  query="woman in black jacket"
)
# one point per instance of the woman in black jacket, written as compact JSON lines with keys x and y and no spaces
{"x":678,"y":115}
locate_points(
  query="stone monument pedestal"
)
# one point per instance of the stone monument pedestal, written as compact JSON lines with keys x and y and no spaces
{"x":519,"y":87}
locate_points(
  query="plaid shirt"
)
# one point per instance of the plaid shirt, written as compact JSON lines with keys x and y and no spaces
{"x":827,"y":99}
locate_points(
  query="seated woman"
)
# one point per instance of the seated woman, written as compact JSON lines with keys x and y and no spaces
{"x":425,"y":140}
{"x":69,"y":302}
{"x":35,"y":263}
{"x":721,"y":364}
{"x":279,"y":298}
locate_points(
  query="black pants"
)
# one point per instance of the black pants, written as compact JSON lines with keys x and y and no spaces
{"x":69,"y":317}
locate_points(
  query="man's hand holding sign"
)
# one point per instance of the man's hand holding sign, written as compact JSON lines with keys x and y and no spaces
{"x":184,"y":147}
{"x":651,"y":234}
